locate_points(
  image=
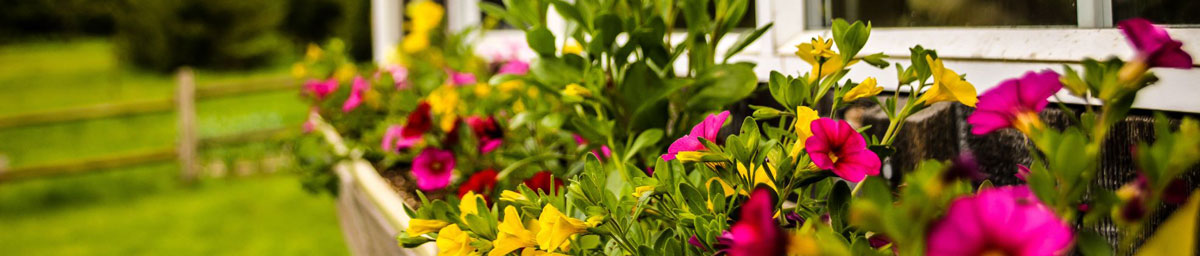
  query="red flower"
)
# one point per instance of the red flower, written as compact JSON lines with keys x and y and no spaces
{"x":419,"y":122}
{"x":756,"y":233}
{"x":487,"y":131}
{"x":542,"y":181}
{"x":481,"y":183}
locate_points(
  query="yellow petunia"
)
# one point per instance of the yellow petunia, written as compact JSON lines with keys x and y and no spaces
{"x":417,"y":227}
{"x":313,"y":53}
{"x":947,"y":86}
{"x":453,"y":241}
{"x":802,"y":245}
{"x":415,"y":42}
{"x":821,"y":57}
{"x":512,"y":234}
{"x":760,"y":175}
{"x":512,"y":196}
{"x":425,"y":15}
{"x":804,"y":119}
{"x":867,"y":88}
{"x":642,"y":190}
{"x":689,"y":156}
{"x":728,"y":190}
{"x":469,"y":205}
{"x":482,"y":90}
{"x":555,"y":229}
{"x":345,"y":72}
{"x":444,"y":102}
{"x":572,"y":48}
{"x":576,"y":90}
{"x":299,"y":71}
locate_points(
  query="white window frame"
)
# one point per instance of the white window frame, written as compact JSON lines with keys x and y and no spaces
{"x":987,"y":55}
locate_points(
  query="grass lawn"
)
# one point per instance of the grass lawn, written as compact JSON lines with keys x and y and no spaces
{"x":258,"y":215}
{"x":140,"y":210}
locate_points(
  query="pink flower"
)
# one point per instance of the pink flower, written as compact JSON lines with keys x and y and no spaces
{"x":515,"y":67}
{"x":1015,"y":103}
{"x":707,"y":129}
{"x":1004,"y":221}
{"x":605,"y":152}
{"x":356,"y":94}
{"x":1154,"y":46}
{"x":419,"y":122}
{"x":433,"y":168}
{"x":1022,"y":172}
{"x":756,"y":233}
{"x":488,"y":133}
{"x":461,"y":79}
{"x":310,"y":124}
{"x":390,"y":137}
{"x":320,"y":89}
{"x":836,"y":146}
{"x":399,"y":76}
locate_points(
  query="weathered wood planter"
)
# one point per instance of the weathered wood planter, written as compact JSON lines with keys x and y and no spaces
{"x":370,"y":211}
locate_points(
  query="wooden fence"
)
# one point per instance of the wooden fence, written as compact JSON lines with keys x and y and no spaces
{"x":187,"y":142}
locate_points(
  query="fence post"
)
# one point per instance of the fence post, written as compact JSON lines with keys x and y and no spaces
{"x":185,"y":93}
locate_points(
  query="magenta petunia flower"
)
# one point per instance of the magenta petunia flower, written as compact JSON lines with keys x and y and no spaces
{"x":515,"y":67}
{"x":999,"y":221}
{"x":433,"y":168}
{"x":460,"y":79}
{"x":756,"y":233}
{"x":356,"y":94}
{"x":390,"y":137}
{"x":399,"y":76}
{"x":487,"y":131}
{"x":836,"y":146}
{"x":605,"y":153}
{"x":706,"y":129}
{"x":1015,"y":103}
{"x":1154,"y":46}
{"x":319,"y":89}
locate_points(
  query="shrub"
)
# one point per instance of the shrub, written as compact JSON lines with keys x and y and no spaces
{"x":163,"y":35}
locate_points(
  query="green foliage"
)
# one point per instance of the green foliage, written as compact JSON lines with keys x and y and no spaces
{"x":164,"y":35}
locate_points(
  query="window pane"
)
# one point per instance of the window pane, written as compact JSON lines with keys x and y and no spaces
{"x":1158,"y":11}
{"x":924,"y":13}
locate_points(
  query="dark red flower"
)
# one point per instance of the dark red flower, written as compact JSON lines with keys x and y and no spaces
{"x":487,"y":131}
{"x":542,"y":181}
{"x":419,"y":121}
{"x":481,"y":183}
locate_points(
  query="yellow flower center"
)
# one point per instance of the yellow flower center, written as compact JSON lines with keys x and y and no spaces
{"x":993,"y":252}
{"x":1027,"y":122}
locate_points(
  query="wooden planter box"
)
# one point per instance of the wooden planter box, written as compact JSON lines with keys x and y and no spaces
{"x":371,"y":214}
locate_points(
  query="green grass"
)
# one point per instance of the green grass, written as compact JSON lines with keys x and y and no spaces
{"x":139,"y":210}
{"x":264,"y":215}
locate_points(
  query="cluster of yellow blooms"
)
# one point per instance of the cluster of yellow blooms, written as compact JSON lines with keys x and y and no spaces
{"x":549,"y":234}
{"x":425,"y":15}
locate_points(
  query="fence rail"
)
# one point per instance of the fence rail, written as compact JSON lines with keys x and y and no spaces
{"x":186,"y":144}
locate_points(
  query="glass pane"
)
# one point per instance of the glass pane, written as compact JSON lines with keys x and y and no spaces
{"x":926,"y":13}
{"x":1158,"y":11}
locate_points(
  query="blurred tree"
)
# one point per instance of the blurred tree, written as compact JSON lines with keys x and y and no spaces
{"x":54,"y":18}
{"x":316,"y":21}
{"x":220,"y":34}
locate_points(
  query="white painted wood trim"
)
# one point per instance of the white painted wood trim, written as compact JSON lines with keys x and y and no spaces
{"x":387,"y":23}
{"x":1094,"y":13}
{"x":461,"y":14}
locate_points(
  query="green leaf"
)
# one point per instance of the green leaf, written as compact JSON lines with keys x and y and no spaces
{"x":722,"y":85}
{"x":693,"y":198}
{"x":568,"y":11}
{"x":541,"y":41}
{"x":648,"y":137}
{"x":745,"y":40}
{"x":850,"y":38}
{"x":496,"y":10}
{"x":554,"y":73}
{"x":1092,"y":244}
{"x":839,"y":204}
{"x":608,"y":26}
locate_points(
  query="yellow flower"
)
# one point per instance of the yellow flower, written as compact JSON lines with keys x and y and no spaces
{"x":313,"y":52}
{"x":865,"y":89}
{"x":802,"y":245}
{"x":298,"y":70}
{"x":418,"y":227}
{"x":443,"y":102}
{"x":594,"y":221}
{"x":572,"y":48}
{"x":469,"y":205}
{"x":724,"y":186}
{"x":947,"y":86}
{"x":555,"y":229}
{"x":482,"y":89}
{"x":511,"y":196}
{"x":415,"y":42}
{"x":425,"y":15}
{"x":824,"y":61}
{"x":804,"y":118}
{"x":345,"y":72}
{"x":511,"y":85}
{"x":575,"y":90}
{"x":536,"y":252}
{"x":760,"y":174}
{"x":453,"y":241}
{"x":512,"y":234}
{"x":689,"y":156}
{"x":642,"y":190}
